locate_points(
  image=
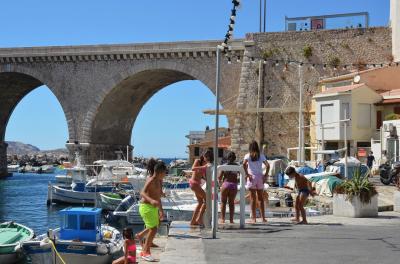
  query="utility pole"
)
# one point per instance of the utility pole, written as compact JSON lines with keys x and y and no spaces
{"x":215,"y":172}
{"x":260,"y":30}
{"x":265,"y":13}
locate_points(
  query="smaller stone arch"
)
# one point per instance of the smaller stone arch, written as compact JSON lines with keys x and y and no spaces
{"x":16,"y":82}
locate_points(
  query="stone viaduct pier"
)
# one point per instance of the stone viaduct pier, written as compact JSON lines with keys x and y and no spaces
{"x":102,"y":88}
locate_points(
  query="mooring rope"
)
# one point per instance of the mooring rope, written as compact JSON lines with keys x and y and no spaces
{"x":55,"y":250}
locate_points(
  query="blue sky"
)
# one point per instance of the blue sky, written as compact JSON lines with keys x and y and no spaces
{"x":77,"y":22}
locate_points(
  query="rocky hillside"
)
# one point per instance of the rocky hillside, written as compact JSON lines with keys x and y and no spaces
{"x":19,"y":148}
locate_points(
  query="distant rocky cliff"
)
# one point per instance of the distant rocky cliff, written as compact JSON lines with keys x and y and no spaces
{"x":19,"y":148}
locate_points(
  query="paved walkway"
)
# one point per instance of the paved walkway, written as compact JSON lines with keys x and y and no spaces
{"x":156,"y":252}
{"x":327,"y":239}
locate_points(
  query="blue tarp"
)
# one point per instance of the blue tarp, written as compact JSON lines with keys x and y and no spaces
{"x":305,"y":170}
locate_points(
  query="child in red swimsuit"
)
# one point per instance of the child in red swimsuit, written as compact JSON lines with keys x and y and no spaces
{"x":129,"y":248}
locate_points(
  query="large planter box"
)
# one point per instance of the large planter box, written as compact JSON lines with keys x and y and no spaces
{"x":354,"y":208}
{"x":396,"y":198}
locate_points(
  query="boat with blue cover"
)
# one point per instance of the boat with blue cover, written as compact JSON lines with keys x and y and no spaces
{"x":80,"y":239}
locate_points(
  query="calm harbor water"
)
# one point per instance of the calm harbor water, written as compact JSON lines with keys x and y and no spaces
{"x":23,"y":200}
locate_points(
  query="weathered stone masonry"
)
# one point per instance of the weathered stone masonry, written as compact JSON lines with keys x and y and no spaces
{"x":281,"y":88}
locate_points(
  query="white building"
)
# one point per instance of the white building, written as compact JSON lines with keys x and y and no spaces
{"x":196,"y":137}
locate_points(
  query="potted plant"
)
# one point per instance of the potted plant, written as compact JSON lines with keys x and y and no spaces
{"x":356,"y":197}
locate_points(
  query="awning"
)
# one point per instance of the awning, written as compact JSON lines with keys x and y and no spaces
{"x":389,"y":101}
{"x":329,"y":152}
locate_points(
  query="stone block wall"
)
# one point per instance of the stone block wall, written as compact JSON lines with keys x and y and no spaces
{"x":3,"y":159}
{"x":281,"y":83}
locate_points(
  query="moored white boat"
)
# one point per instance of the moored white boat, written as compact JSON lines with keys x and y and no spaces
{"x":13,"y":168}
{"x":122,"y":171}
{"x":47,"y":169}
{"x":58,"y":194}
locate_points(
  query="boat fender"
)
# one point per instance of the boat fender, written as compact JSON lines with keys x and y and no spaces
{"x":103,"y":249}
{"x":18,"y":248}
{"x":44,"y":243}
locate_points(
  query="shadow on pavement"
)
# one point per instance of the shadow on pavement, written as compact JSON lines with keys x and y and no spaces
{"x":184,"y":236}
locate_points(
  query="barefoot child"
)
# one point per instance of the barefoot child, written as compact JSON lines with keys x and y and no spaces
{"x":150,"y":208}
{"x":304,"y":187}
{"x":252,"y":165}
{"x":129,"y":248}
{"x":228,"y":180}
{"x":199,"y":172}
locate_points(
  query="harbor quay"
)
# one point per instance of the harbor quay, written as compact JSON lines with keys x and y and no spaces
{"x":327,"y":239}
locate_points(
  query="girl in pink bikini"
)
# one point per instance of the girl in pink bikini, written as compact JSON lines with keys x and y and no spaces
{"x":199,"y":171}
{"x":129,"y":248}
{"x":228,"y":180}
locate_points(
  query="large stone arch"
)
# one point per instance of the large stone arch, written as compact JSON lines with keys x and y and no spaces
{"x":111,"y":122}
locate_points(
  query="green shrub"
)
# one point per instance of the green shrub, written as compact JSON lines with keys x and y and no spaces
{"x":392,"y":116}
{"x":307,"y":51}
{"x":334,"y":62}
{"x":268,"y":54}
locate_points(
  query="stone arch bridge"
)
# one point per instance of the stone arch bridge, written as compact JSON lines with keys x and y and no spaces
{"x":102,"y":88}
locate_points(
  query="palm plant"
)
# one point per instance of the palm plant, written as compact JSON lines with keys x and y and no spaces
{"x":358,"y":186}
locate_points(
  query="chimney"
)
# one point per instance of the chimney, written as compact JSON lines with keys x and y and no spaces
{"x":395,"y":25}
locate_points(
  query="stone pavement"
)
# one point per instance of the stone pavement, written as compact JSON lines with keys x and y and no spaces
{"x":156,"y":252}
{"x":327,"y":239}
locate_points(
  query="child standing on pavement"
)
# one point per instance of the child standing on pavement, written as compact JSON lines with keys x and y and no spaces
{"x":252,"y":164}
{"x":228,"y":181}
{"x":305,"y":189}
{"x":150,"y":208}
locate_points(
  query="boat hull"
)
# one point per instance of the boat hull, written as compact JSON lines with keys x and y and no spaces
{"x":10,"y":258}
{"x":109,"y":203}
{"x":40,"y":249}
{"x":38,"y":253}
{"x":84,"y":259}
{"x":57,"y":194}
{"x":70,"y":253}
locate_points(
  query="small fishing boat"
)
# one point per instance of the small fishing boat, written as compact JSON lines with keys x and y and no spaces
{"x":80,"y":191}
{"x":47,"y":169}
{"x":174,"y":204}
{"x":13,"y":168}
{"x":11,"y":234}
{"x":110,"y":201}
{"x":76,"y":195}
{"x":122,"y":171}
{"x":80,"y":239}
{"x":127,"y":212}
